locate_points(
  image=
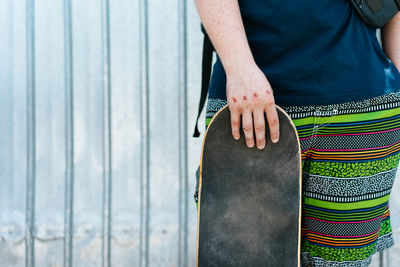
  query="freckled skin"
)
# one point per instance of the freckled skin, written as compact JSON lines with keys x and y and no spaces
{"x":234,"y":99}
{"x":245,"y":97}
{"x":255,"y":95}
{"x":268,"y":92}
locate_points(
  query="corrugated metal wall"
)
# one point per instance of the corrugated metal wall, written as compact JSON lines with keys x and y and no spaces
{"x":97,"y":105}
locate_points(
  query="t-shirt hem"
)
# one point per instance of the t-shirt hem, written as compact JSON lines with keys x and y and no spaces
{"x":315,"y":100}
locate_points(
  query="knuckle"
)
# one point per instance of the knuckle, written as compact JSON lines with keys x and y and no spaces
{"x":243,"y":106}
{"x":247,"y":128}
{"x":235,"y":123}
{"x":270,"y":101}
{"x":274,"y":122}
{"x":259,"y":128}
{"x":249,"y":135}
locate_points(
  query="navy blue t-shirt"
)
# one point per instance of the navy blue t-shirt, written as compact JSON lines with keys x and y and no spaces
{"x":313,"y":52}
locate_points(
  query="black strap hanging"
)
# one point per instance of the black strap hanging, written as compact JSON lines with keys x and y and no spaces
{"x":208,"y":49}
{"x":397,"y":3}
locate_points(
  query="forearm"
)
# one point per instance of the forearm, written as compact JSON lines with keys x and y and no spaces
{"x":391,"y":40}
{"x":223,"y":23}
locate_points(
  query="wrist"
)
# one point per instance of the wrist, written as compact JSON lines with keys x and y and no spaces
{"x":239,"y":66}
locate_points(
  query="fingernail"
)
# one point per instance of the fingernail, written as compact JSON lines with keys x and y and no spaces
{"x":275,"y":140}
{"x":261,"y":147}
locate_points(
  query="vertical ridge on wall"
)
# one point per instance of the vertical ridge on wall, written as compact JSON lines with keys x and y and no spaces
{"x":144,"y":136}
{"x":30,"y":194}
{"x":69,"y":142}
{"x":183,"y":140}
{"x":107,"y":179}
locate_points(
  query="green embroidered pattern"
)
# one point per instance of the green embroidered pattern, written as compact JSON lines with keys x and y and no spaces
{"x":351,"y":169}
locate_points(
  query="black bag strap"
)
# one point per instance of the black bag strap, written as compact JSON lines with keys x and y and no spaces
{"x":397,"y":4}
{"x":208,"y":49}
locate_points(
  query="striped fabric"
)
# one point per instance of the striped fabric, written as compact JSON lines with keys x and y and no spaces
{"x":350,"y":154}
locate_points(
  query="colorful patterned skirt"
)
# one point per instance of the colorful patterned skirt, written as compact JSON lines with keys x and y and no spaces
{"x":350,"y":153}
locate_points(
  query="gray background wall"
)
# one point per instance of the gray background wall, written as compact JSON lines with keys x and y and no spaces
{"x":97,"y":106}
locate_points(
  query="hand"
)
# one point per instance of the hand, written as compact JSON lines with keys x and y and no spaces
{"x":249,"y":96}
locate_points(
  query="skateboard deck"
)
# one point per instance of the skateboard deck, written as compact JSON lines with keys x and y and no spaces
{"x":249,"y":210}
